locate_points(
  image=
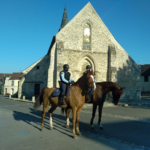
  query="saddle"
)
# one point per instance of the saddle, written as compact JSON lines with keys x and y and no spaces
{"x":56,"y":93}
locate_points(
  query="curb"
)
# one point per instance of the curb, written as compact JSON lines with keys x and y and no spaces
{"x":126,"y":105}
{"x":16,"y":99}
{"x":106,"y":104}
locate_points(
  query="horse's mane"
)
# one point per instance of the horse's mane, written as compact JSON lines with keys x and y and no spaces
{"x":84,"y":73}
{"x":79,"y":79}
{"x":109,"y":84}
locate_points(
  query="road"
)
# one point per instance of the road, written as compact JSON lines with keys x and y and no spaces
{"x":125,"y":128}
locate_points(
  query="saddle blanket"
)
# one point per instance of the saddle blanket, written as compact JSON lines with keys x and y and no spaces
{"x":56,"y":93}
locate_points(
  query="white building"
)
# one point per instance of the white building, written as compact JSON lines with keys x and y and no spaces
{"x":145,"y":78}
{"x":2,"y":77}
{"x":11,"y":84}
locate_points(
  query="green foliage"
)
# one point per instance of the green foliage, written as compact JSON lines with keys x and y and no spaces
{"x":7,"y":94}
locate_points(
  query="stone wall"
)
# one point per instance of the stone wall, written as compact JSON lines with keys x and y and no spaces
{"x":75,"y":57}
{"x":129,"y":76}
{"x":34,"y":76}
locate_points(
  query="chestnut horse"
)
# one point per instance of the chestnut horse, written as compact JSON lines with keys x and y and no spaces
{"x":99,"y":96}
{"x":75,"y":101}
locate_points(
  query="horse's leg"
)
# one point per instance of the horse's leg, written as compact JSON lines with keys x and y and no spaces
{"x":93,"y":114}
{"x":77,"y":124}
{"x":67,"y":116}
{"x":100,"y":115}
{"x":43,"y":115}
{"x":50,"y":116}
{"x":73,"y":122}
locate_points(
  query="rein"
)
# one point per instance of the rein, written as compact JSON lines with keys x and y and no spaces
{"x":109,"y":95}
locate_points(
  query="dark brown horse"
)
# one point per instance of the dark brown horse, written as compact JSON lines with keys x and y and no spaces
{"x":75,"y":101}
{"x":102,"y":88}
{"x":99,"y":96}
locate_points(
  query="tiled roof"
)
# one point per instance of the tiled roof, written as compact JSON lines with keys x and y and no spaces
{"x":2,"y":75}
{"x":15,"y":76}
{"x":145,"y":69}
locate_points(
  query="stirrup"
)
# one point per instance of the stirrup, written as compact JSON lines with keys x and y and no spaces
{"x":87,"y":98}
{"x":62,"y":103}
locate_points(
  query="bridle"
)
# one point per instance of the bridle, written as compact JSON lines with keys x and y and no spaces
{"x":93,"y":88}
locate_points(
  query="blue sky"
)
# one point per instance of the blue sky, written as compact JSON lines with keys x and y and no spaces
{"x":27,"y":28}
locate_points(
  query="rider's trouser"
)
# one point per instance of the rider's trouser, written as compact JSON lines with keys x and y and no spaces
{"x":63,"y":88}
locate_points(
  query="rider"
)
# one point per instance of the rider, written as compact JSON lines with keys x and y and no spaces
{"x":65,"y":80}
{"x":88,"y":67}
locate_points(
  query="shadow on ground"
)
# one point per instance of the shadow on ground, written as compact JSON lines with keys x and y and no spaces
{"x":130,"y":131}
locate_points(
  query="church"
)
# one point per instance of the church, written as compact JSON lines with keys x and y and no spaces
{"x":85,"y":40}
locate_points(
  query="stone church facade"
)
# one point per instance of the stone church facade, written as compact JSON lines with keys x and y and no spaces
{"x":82,"y":41}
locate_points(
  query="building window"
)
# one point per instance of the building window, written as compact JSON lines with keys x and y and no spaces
{"x":87,"y":36}
{"x":145,"y":78}
{"x":38,"y":67}
{"x":12,"y":83}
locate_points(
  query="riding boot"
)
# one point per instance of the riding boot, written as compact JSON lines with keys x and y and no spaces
{"x":61,"y":100}
{"x":87,"y":97}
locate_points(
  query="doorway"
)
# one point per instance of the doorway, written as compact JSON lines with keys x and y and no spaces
{"x":83,"y":63}
{"x":5,"y":90}
{"x":36,"y":89}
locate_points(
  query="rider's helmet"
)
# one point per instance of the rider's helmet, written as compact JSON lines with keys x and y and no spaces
{"x":66,"y":67}
{"x":88,"y":67}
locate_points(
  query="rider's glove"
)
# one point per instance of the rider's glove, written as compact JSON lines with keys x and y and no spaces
{"x":72,"y":82}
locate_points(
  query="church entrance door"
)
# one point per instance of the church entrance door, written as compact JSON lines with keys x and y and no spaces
{"x":83,"y":65}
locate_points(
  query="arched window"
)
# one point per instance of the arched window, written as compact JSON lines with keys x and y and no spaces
{"x":87,"y":36}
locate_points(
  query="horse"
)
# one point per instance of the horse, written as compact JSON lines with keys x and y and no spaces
{"x":102,"y":88}
{"x":75,"y":101}
{"x":98,"y":98}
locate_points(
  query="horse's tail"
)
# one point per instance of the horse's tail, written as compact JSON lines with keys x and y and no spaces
{"x":62,"y":110}
{"x":39,"y":99}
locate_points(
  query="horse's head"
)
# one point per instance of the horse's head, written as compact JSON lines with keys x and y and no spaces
{"x":90,"y":79}
{"x":117,"y":94}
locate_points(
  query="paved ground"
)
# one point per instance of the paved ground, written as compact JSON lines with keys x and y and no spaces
{"x":124,"y":128}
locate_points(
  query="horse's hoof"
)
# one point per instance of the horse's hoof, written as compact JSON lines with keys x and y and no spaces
{"x":67,"y":126}
{"x":92,"y":127}
{"x":51,"y":128}
{"x":75,"y":137}
{"x":79,"y":133}
{"x":42,"y":129}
